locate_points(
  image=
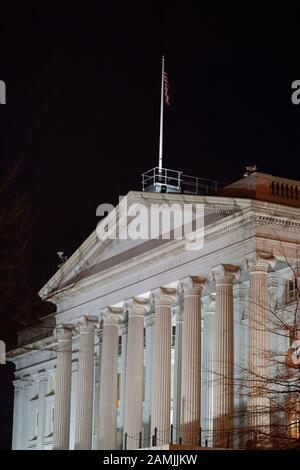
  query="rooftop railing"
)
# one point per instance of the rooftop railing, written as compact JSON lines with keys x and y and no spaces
{"x":166,"y":180}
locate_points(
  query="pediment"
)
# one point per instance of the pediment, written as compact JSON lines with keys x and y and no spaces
{"x":100,"y":252}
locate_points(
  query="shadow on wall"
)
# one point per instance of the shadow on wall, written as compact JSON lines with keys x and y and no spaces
{"x":6,"y":404}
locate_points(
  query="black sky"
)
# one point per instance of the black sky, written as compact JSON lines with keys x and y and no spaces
{"x":83,"y":90}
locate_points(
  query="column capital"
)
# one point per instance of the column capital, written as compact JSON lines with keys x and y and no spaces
{"x":64,"y":332}
{"x":164,"y":296}
{"x":225,"y":273}
{"x":209,"y":304}
{"x":111,"y":320}
{"x":112,"y":315}
{"x":18,"y":384}
{"x":86,"y":324}
{"x":137,"y":306}
{"x":260,"y":262}
{"x":193,"y":285}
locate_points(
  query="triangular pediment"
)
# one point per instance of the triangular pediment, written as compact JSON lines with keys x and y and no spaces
{"x":100,"y":251}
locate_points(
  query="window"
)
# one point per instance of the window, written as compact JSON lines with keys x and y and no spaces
{"x":51,"y":385}
{"x":51,"y":419}
{"x":292,"y":284}
{"x":120,"y":346}
{"x":173,"y":335}
{"x":291,"y":338}
{"x":35,"y":391}
{"x":119,"y":391}
{"x":293,"y":416}
{"x":35,"y":423}
{"x":294,"y":426}
{"x":292,"y":289}
{"x":53,"y":377}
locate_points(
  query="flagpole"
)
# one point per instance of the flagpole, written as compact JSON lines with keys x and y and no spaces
{"x":161,"y":115}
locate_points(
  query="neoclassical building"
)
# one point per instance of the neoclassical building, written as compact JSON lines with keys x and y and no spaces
{"x":153,"y":342}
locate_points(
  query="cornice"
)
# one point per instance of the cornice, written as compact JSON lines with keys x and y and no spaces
{"x":170,"y":254}
{"x":277,"y":222}
{"x":212,"y":204}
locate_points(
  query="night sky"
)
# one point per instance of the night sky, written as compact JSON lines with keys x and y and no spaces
{"x":83,"y":97}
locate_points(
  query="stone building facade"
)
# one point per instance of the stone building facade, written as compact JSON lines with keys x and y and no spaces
{"x":152,"y":341}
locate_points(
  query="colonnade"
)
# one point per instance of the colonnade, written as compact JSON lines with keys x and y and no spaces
{"x":144,"y":410}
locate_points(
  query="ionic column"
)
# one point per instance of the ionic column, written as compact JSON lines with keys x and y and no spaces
{"x":85,"y":385}
{"x":27,"y":415}
{"x":240,"y":316}
{"x":18,"y":414}
{"x":208,"y":369}
{"x":73,"y":396}
{"x":43,"y":380}
{"x":108,"y":384}
{"x":259,"y":344}
{"x":149,"y":326}
{"x":277,"y":289}
{"x":134,"y":385}
{"x":124,"y":336}
{"x":61,"y":425}
{"x":177,"y":370}
{"x":100,"y":344}
{"x":161,"y":378}
{"x":99,"y":334}
{"x":191,"y":361}
{"x":224,"y":355}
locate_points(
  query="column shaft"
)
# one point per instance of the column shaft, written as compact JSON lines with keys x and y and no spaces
{"x":43,"y":379}
{"x":108,"y":385}
{"x":61,"y":425}
{"x":191,"y":367}
{"x":124,"y":333}
{"x":161,"y":379}
{"x":258,"y":402}
{"x":208,"y":373}
{"x":133,"y":419}
{"x":177,"y":371}
{"x":224,"y":360}
{"x":240,"y":366}
{"x":27,"y":415}
{"x":18,"y":415}
{"x":97,"y":381}
{"x":149,"y":323}
{"x":85,"y":386}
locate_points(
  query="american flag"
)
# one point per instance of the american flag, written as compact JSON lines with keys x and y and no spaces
{"x":166,"y":89}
